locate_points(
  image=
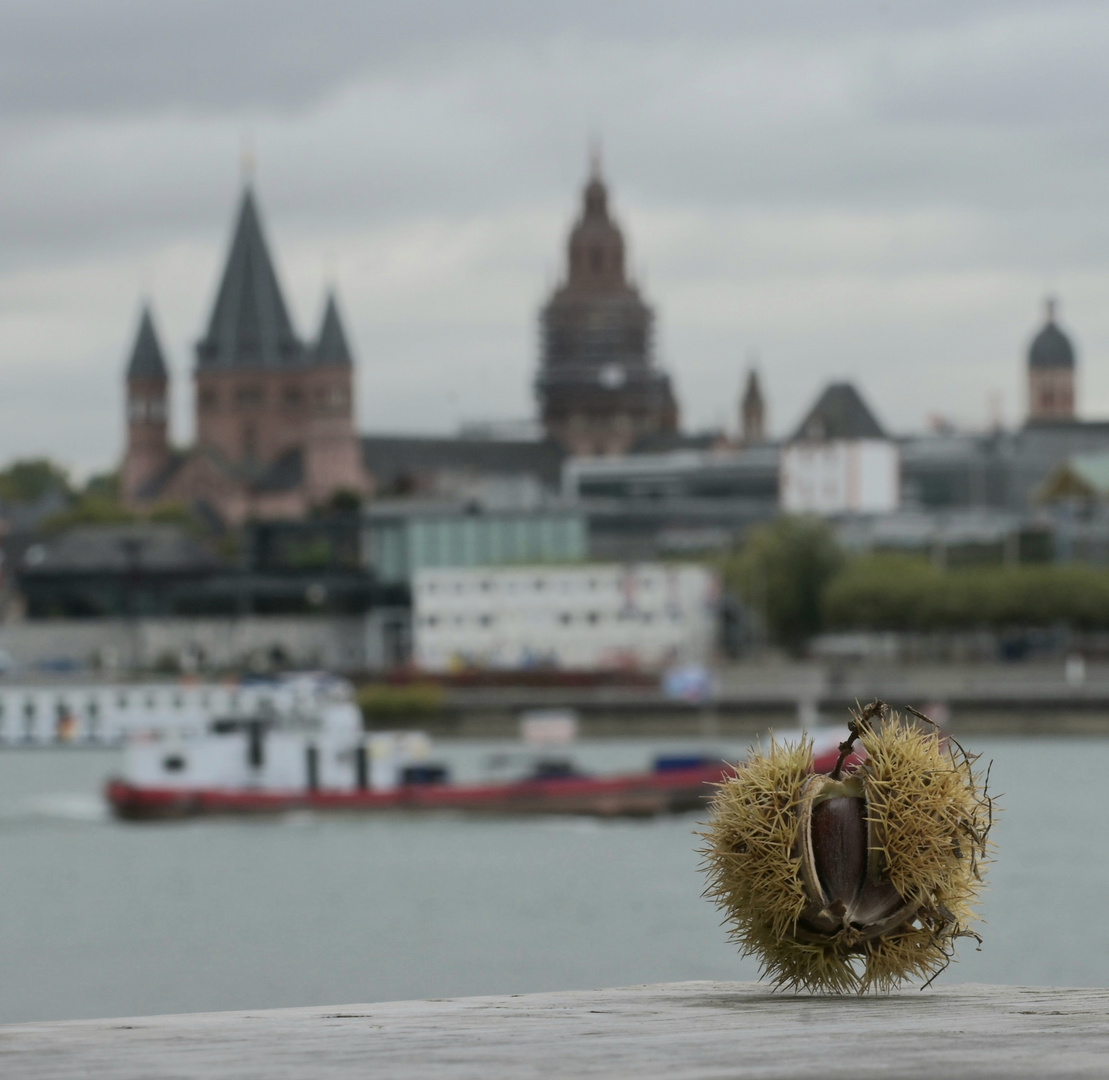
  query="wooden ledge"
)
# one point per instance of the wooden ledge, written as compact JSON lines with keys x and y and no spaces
{"x":669,"y":1030}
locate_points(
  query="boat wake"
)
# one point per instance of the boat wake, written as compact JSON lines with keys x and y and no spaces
{"x":59,"y":806}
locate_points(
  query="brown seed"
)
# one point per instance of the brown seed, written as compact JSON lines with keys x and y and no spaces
{"x":839,"y":849}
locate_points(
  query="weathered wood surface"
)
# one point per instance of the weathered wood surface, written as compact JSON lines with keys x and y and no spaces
{"x":679,"y":1031}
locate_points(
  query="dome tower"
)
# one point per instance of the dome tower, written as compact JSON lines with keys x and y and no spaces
{"x":1051,"y":366}
{"x":598,"y":388}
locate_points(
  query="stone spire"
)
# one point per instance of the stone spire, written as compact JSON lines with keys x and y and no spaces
{"x":146,"y":360}
{"x":752,"y":411}
{"x":250,"y":325}
{"x":596,"y":248}
{"x":331,"y":346}
{"x":147,"y":451}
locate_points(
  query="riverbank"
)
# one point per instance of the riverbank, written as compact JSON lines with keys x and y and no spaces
{"x":672,"y":1031}
{"x":992,"y":699}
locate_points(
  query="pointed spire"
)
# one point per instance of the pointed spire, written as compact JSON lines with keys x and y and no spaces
{"x":250,"y":325}
{"x":1051,"y":306}
{"x":146,"y":360}
{"x":595,"y":159}
{"x":331,"y":346}
{"x":595,"y":195}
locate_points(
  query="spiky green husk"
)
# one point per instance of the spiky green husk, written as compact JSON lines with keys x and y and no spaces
{"x":929,"y":817}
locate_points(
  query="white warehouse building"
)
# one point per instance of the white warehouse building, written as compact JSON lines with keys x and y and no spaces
{"x":602,"y":616}
{"x":839,"y":461}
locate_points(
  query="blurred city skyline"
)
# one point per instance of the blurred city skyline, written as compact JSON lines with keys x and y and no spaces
{"x":865,"y":191}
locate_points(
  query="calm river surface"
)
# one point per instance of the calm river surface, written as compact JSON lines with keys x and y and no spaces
{"x":105,"y":919}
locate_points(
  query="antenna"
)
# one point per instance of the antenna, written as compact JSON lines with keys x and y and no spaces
{"x":248,"y":162}
{"x":594,"y":156}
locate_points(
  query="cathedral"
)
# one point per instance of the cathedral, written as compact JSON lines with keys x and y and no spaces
{"x":275,"y":431}
{"x":599,"y":390}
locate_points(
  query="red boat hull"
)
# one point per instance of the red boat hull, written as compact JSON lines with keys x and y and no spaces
{"x":636,"y":795}
{"x":644,"y":795}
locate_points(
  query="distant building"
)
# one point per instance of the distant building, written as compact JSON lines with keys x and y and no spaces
{"x":584,"y":617}
{"x":645,"y":506}
{"x":599,"y":390}
{"x":840,"y":460}
{"x":131,"y":571}
{"x":147,"y":455}
{"x":402,"y":537}
{"x":752,"y":411}
{"x":274,"y":415}
{"x":1083,"y":480}
{"x":508,"y":472}
{"x":1051,"y":373}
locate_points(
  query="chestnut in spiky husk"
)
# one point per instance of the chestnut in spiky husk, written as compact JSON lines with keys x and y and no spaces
{"x":851,"y":881}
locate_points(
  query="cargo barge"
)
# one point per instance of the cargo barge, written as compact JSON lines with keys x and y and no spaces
{"x":260,"y":767}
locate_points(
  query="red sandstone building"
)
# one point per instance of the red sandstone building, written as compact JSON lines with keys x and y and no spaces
{"x":599,"y":390}
{"x":274,"y":414}
{"x":275,"y":430}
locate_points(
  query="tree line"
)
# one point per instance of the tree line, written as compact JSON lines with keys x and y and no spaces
{"x":794,"y":576}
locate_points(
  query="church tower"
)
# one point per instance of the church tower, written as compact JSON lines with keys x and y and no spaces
{"x":752,"y":411}
{"x":1050,"y":372}
{"x":333,"y":454}
{"x":598,"y":388}
{"x":278,"y":410}
{"x":147,"y":453}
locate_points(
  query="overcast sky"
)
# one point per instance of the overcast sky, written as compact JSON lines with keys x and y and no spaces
{"x":875,"y":191}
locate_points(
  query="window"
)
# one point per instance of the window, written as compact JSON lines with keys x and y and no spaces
{"x":249,"y":397}
{"x":565,"y":618}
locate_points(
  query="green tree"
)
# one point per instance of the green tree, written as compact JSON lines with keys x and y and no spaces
{"x":103,"y":486}
{"x":88,"y":511}
{"x":28,"y":479}
{"x":782,"y":571}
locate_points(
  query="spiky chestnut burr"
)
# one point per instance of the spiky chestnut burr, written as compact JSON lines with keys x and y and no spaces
{"x":851,"y":882}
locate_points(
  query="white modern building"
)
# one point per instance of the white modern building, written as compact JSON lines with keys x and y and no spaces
{"x":840,"y":461}
{"x":840,"y":476}
{"x":645,"y":616}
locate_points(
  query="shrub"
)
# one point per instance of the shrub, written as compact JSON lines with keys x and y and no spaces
{"x":891,"y":592}
{"x":382,"y":703}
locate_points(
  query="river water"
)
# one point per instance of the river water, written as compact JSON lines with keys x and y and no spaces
{"x":99,"y":918}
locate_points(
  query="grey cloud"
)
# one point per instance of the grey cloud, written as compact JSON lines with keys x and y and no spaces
{"x":77,"y":57}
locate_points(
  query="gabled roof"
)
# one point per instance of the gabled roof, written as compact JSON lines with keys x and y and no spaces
{"x":1084,"y":477}
{"x":146,"y":360}
{"x":331,"y":346}
{"x":250,"y":325}
{"x":840,"y":413}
